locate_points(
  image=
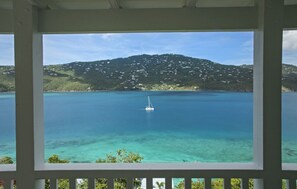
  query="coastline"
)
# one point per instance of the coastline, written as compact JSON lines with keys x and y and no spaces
{"x":284,"y":90}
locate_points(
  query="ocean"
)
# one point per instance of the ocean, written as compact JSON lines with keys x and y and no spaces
{"x":186,"y":126}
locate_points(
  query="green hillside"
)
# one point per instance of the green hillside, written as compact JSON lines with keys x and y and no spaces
{"x":148,"y":72}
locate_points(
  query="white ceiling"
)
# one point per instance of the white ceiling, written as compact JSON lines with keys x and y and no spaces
{"x":134,"y":4}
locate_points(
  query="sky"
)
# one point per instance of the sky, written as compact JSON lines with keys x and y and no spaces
{"x":232,"y":48}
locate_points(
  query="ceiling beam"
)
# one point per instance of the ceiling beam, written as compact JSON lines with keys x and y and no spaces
{"x":114,"y":4}
{"x":66,"y":21}
{"x":6,"y":21}
{"x":290,"y":17}
{"x":44,"y":4}
{"x":190,"y":3}
{"x":144,"y":20}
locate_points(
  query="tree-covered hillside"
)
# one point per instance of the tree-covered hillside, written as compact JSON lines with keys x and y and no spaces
{"x":148,"y":72}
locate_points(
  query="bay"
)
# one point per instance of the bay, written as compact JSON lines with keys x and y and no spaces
{"x":186,"y":126}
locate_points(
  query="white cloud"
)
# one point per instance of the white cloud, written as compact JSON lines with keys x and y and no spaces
{"x":290,"y":40}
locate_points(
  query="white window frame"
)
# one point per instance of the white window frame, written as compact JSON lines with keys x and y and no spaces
{"x":267,"y":19}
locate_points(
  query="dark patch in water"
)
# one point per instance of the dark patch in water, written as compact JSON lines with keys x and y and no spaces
{"x":144,"y":139}
{"x":59,"y":143}
{"x":3,"y":146}
{"x":290,"y":152}
{"x":81,"y":162}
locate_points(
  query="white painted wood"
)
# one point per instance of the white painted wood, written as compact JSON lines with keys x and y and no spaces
{"x":227,"y":183}
{"x":91,"y":183}
{"x":6,"y":4}
{"x":53,"y":183}
{"x":29,"y":99}
{"x":72,"y":183}
{"x":44,"y":4}
{"x":207,"y":183}
{"x":287,"y":183}
{"x":149,"y":183}
{"x":150,"y":166}
{"x":168,"y":183}
{"x":7,"y":175}
{"x":110,"y":183}
{"x":217,"y":20}
{"x":258,"y":183}
{"x":130,"y":183}
{"x":121,"y":20}
{"x":267,"y":91}
{"x":8,"y":184}
{"x":289,"y":166}
{"x":290,"y":17}
{"x":245,"y":183}
{"x":188,"y":182}
{"x":290,"y":2}
{"x":82,"y":4}
{"x":292,"y":184}
{"x":190,"y":3}
{"x":258,"y":100}
{"x":6,"y":21}
{"x":7,"y":168}
{"x":147,"y":4}
{"x":115,"y":4}
{"x":148,"y":173}
{"x":29,"y":94}
{"x":225,"y":3}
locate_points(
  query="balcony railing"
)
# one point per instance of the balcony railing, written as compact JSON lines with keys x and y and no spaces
{"x":147,"y":173}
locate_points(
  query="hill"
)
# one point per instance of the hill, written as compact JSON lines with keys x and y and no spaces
{"x":148,"y":72}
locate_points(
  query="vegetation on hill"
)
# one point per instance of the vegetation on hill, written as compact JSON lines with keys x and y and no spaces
{"x":148,"y":72}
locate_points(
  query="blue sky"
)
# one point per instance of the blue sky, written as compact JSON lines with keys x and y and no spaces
{"x":234,"y":48}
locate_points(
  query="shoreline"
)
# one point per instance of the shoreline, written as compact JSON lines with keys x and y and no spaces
{"x":178,"y":90}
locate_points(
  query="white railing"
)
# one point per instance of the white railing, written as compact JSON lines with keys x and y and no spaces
{"x":75,"y":172}
{"x":7,"y":176}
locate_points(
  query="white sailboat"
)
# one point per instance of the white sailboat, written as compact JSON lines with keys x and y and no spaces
{"x":150,"y":105}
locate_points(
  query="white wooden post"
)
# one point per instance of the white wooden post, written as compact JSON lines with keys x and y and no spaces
{"x":110,"y":183}
{"x":53,"y":184}
{"x":72,"y":183}
{"x":91,"y":183}
{"x":8,"y":184}
{"x":292,"y":184}
{"x":168,"y":183}
{"x":207,"y":183}
{"x":29,"y":95}
{"x":227,"y":183}
{"x":149,"y":183}
{"x":130,"y":183}
{"x":267,"y":91}
{"x":245,"y":183}
{"x":188,"y":182}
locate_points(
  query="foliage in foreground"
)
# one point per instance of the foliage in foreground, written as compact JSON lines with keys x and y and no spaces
{"x":121,"y":156}
{"x":6,"y":160}
{"x":219,"y":184}
{"x":62,"y":183}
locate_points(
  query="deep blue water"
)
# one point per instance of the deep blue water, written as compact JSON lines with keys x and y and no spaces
{"x":185,"y":126}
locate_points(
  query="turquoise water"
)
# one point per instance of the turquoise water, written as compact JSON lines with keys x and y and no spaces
{"x":185,"y":126}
